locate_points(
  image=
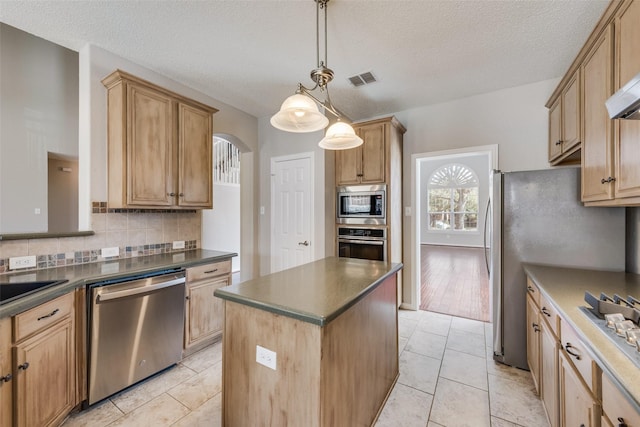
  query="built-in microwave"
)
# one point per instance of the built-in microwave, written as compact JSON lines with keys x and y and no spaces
{"x":361,"y":204}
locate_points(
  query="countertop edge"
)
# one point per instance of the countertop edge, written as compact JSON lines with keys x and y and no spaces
{"x":302,"y":315}
{"x":40,"y":297}
{"x":592,"y":350}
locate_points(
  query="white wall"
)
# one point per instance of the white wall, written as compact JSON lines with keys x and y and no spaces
{"x":97,"y":63}
{"x":38,"y":112}
{"x":275,"y":143}
{"x":479,"y":163}
{"x":221,"y":225}
{"x":515,"y":119}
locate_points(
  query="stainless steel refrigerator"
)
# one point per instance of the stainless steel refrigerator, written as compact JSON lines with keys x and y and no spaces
{"x":537,"y":217}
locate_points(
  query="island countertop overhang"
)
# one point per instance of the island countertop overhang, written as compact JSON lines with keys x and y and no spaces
{"x":316,"y":292}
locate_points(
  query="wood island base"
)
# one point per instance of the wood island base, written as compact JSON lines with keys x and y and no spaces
{"x":337,"y":374}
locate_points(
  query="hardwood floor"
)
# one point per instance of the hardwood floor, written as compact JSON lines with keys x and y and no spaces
{"x":454,"y":281}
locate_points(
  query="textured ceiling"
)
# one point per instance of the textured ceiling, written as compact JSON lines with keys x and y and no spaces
{"x":252,"y":54}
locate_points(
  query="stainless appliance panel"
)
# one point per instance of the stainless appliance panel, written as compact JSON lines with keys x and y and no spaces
{"x":371,"y":214}
{"x":539,"y":218}
{"x":136,"y":331}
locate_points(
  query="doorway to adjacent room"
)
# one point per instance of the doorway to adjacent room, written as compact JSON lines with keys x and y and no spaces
{"x":451,"y":195}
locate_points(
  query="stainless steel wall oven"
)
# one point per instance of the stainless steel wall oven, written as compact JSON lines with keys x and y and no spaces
{"x":363,"y":243}
{"x":136,"y":327}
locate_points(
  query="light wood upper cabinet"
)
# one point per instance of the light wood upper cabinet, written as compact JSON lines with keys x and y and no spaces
{"x":597,"y":144}
{"x":555,"y":130}
{"x":364,"y":164}
{"x":565,"y":122}
{"x":195,"y":157}
{"x":160,"y":146}
{"x":148,"y":161}
{"x":627,"y":132}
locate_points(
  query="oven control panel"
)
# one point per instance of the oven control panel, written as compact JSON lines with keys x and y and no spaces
{"x":362,"y":233}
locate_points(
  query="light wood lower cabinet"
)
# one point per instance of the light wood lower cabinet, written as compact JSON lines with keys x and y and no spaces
{"x":44,"y":363}
{"x":204,"y":312}
{"x":549,"y":372}
{"x":616,"y":408}
{"x":577,"y":406}
{"x":533,"y":341}
{"x":6,"y":374}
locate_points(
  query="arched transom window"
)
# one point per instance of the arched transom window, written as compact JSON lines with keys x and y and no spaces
{"x":452,"y":199}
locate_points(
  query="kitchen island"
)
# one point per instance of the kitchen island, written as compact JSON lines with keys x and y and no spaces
{"x":314,"y":345}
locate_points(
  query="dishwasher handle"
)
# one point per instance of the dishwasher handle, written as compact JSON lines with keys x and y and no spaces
{"x":106,"y":295}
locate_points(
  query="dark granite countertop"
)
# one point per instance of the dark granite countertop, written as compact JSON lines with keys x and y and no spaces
{"x":565,"y":289}
{"x":84,"y":274}
{"x":316,"y":292}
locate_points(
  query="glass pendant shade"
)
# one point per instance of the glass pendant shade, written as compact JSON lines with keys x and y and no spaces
{"x":299,"y":113}
{"x":340,"y":136}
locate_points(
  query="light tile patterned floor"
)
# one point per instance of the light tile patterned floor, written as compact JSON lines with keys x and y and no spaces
{"x":447,"y":379}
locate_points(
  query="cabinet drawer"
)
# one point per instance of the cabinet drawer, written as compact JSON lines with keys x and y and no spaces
{"x":550,"y":315}
{"x":42,"y":316}
{"x":576,"y":352}
{"x":533,"y":291}
{"x":208,"y":270}
{"x":616,"y":407}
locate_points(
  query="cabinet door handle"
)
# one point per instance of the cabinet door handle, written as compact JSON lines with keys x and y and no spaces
{"x":536,"y":327}
{"x":6,"y":378}
{"x":181,"y":194}
{"x":559,"y":142}
{"x":568,"y":348}
{"x":24,"y":366}
{"x":305,"y":243}
{"x":545,"y":311}
{"x":187,"y":297}
{"x":53,"y":313}
{"x":621,"y":422}
{"x":608,"y":180}
{"x":171,"y":194}
{"x":211,"y":271}
{"x":530,"y":289}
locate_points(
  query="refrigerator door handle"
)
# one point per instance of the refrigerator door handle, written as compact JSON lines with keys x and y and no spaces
{"x":484,"y":245}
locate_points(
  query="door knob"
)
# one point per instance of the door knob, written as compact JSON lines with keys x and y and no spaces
{"x":305,"y":243}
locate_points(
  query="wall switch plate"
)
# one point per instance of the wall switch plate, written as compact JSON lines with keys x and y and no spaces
{"x":109,"y":252}
{"x":22,"y":262}
{"x":178,"y":244}
{"x":266,"y":357}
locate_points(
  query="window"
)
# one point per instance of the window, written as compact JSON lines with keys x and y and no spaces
{"x":226,"y":162}
{"x":452,"y":199}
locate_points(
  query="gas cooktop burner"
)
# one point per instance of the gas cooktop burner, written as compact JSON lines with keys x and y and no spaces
{"x":618,"y":319}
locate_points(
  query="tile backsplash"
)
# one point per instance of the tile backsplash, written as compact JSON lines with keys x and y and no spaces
{"x":134,"y":232}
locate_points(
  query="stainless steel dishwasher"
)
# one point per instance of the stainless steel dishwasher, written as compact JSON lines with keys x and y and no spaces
{"x":136,"y":330}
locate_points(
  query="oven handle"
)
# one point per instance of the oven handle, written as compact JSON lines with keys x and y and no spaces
{"x":105,"y":295}
{"x":362,"y":242}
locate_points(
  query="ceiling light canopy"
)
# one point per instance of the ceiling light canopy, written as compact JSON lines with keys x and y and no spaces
{"x":300,"y":112}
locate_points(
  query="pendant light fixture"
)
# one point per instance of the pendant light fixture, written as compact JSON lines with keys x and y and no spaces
{"x":300,"y":112}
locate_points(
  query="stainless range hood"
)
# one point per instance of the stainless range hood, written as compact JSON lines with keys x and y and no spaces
{"x":625,"y":103}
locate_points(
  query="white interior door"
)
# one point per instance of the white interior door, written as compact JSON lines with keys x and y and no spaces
{"x":291,"y":211}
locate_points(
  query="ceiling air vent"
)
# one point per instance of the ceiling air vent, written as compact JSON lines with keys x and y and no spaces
{"x":362,"y":79}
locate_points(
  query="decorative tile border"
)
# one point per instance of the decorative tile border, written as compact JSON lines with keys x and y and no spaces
{"x":101,"y":207}
{"x":89,"y":256}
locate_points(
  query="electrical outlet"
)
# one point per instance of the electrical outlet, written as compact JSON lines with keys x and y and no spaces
{"x":22,"y":262}
{"x":266,"y":357}
{"x":178,"y":244}
{"x":110,"y":252}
